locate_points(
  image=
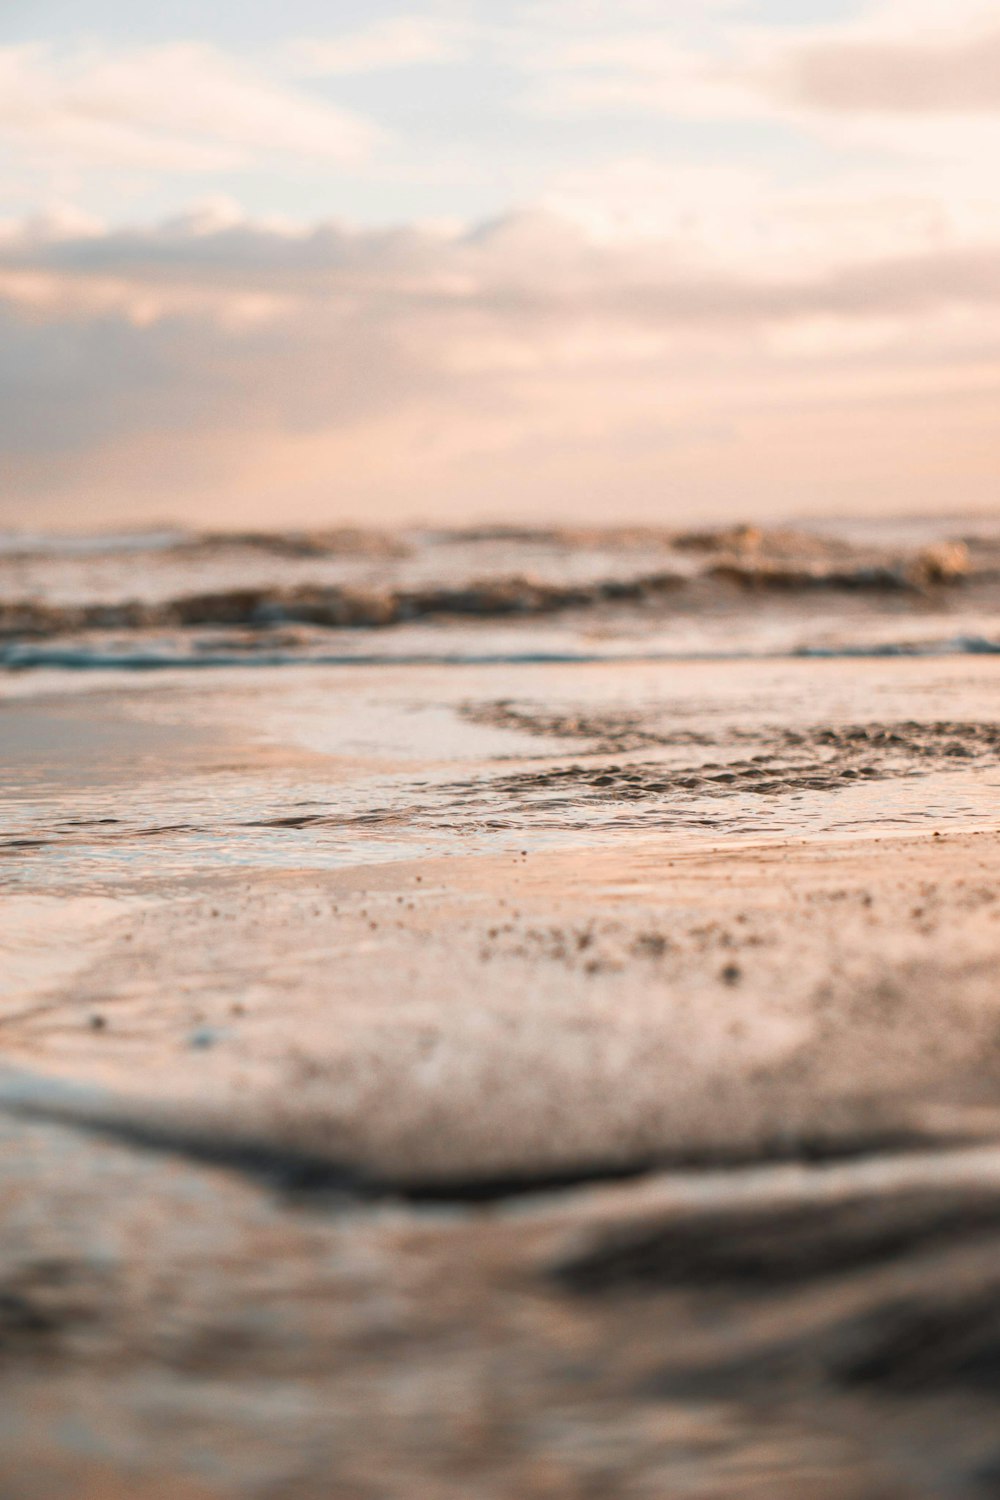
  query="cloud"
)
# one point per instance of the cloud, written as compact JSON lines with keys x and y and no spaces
{"x":771,"y":321}
{"x":398,"y":42}
{"x":183,"y":107}
{"x":532,"y":263}
{"x":640,"y":71}
{"x":960,"y":76}
{"x":920,"y":79}
{"x":209,"y":365}
{"x":739,"y":217}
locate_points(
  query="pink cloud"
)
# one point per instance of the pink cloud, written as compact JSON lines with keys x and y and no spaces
{"x":186,"y":366}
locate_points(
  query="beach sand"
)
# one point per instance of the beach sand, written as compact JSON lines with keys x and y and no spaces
{"x":615,"y":1160}
{"x":510,"y":1079}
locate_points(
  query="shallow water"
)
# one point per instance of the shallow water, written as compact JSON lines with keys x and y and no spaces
{"x":312,"y":767}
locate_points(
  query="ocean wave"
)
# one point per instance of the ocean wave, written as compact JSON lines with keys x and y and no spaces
{"x":330,"y":542}
{"x":347,"y":605}
{"x":22,"y":544}
{"x":82,"y":656}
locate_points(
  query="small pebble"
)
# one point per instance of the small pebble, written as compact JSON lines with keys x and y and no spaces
{"x":203,"y":1038}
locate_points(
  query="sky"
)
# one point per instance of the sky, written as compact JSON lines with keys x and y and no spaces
{"x":303,"y":263}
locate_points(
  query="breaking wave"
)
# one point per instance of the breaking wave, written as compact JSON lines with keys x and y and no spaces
{"x":150,"y":600}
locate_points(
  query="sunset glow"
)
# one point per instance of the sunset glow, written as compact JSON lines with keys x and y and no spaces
{"x":478,"y":261}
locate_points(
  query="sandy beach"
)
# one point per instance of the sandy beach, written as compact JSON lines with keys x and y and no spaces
{"x":511,"y":1078}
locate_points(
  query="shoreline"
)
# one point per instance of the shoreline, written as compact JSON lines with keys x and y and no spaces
{"x":466,"y":1076}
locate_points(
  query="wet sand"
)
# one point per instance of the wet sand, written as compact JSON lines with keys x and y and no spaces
{"x":509,"y":1082}
{"x":632,"y":1008}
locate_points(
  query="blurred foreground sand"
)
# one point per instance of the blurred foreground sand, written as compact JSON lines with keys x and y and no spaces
{"x":352,"y":1215}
